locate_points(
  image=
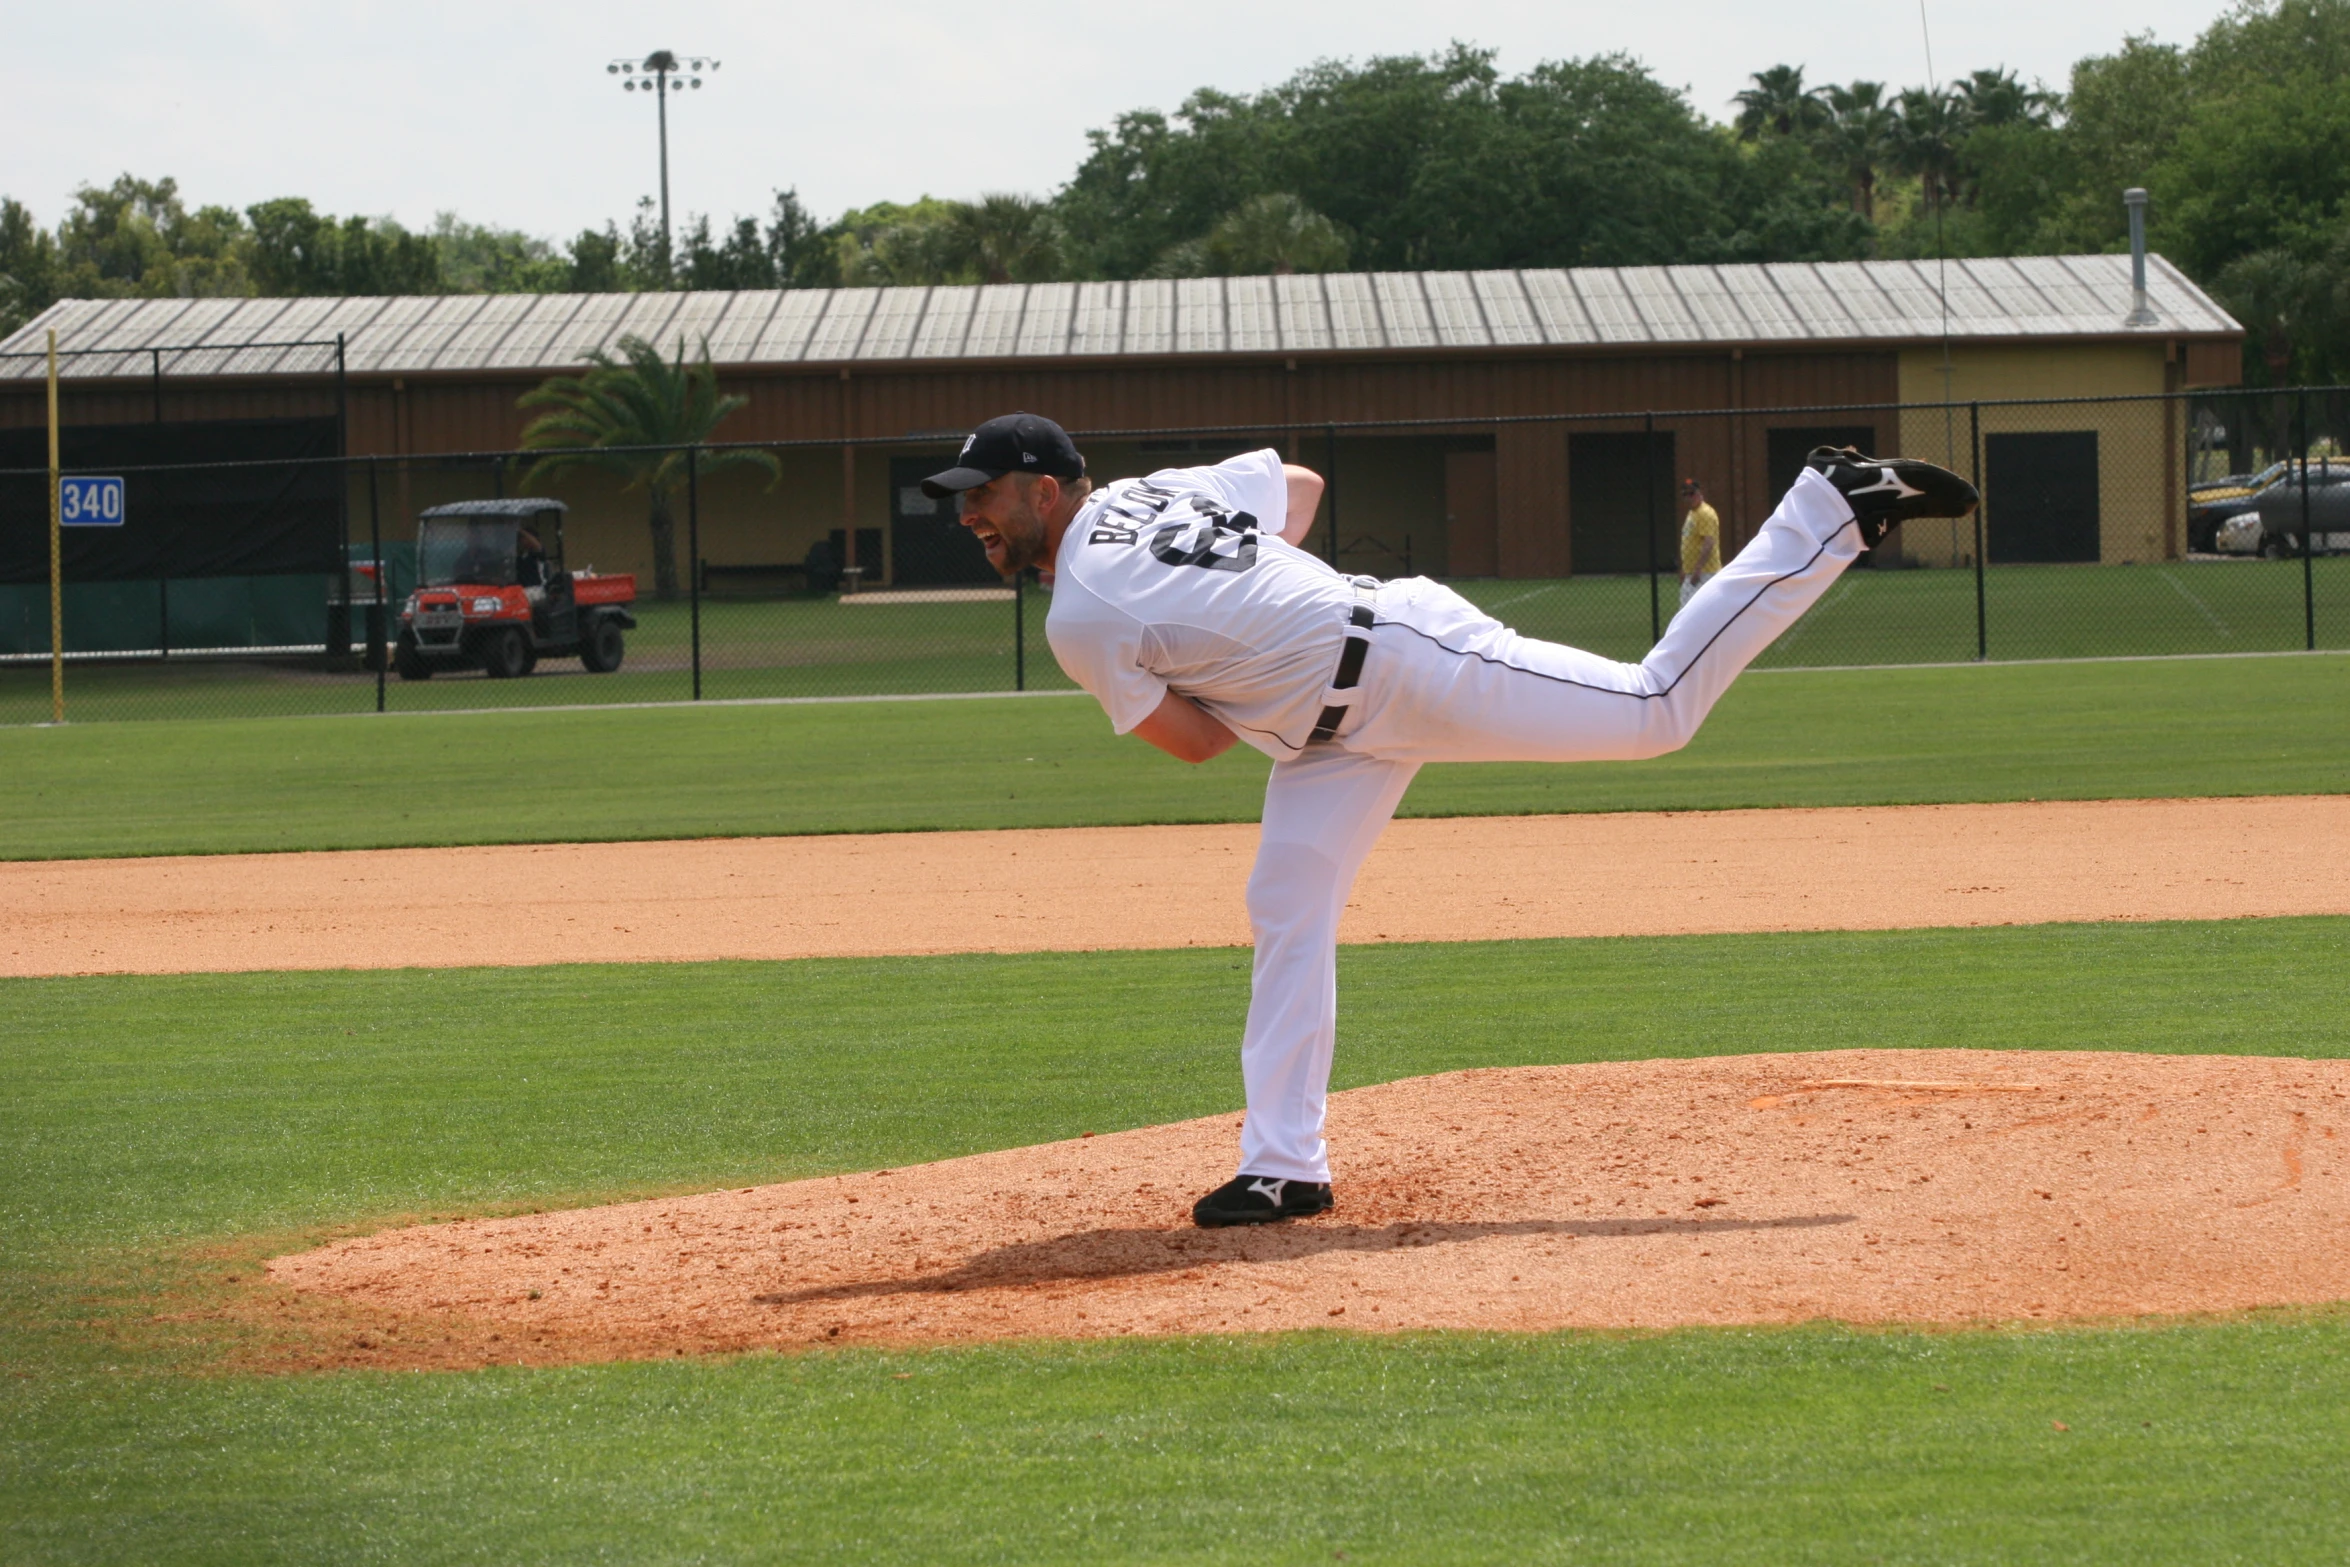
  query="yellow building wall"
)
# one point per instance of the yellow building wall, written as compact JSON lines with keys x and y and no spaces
{"x":2141,"y":452}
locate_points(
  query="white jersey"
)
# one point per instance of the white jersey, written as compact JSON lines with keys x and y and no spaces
{"x":1180,"y":582}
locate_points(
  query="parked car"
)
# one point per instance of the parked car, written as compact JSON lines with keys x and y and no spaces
{"x":2214,"y":501}
{"x":2279,"y":505}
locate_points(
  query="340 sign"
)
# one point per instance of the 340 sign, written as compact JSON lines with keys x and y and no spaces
{"x":89,"y":503}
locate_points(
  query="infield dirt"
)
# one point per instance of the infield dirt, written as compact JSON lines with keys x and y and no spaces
{"x":1459,"y":879}
{"x":1865,"y":1186}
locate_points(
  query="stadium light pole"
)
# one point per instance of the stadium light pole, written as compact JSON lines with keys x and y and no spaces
{"x":662,"y":73}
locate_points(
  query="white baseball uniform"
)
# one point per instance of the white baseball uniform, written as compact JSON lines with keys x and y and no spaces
{"x":1178,"y":582}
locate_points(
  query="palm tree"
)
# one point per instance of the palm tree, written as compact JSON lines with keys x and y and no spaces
{"x":1279,"y":234}
{"x":1999,"y":97}
{"x":1927,"y":129}
{"x":1274,"y":233}
{"x":1001,"y":238}
{"x":1858,"y":138}
{"x":1779,"y":102}
{"x":638,"y":400}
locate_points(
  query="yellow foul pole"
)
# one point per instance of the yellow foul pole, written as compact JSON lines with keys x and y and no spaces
{"x":56,"y":557}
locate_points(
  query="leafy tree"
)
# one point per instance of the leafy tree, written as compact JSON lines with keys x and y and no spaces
{"x":2124,"y":114}
{"x":28,"y":266}
{"x":116,"y":240}
{"x":297,"y":250}
{"x":2282,"y":300}
{"x":776,"y":255}
{"x":594,"y":262}
{"x":1438,"y":161}
{"x":637,"y":400}
{"x":2260,"y":168}
{"x":1779,"y":104}
{"x":476,"y":259}
{"x":1787,"y":204}
{"x":893,"y":243}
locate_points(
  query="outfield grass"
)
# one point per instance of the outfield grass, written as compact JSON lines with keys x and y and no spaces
{"x":159,"y":1124}
{"x":802,"y":647}
{"x":1880,"y":736}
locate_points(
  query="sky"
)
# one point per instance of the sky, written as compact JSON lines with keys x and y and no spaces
{"x":504,"y":113}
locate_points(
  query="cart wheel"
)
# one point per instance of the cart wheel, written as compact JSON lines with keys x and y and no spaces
{"x":408,"y":661}
{"x":600,"y":651}
{"x":506,"y":653}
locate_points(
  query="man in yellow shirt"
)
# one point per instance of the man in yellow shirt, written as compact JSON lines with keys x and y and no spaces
{"x":1701,"y":540}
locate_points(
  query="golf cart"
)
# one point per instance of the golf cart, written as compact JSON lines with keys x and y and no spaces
{"x":492,"y":594}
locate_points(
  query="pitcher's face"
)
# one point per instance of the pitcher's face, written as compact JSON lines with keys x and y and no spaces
{"x":1003,"y":514}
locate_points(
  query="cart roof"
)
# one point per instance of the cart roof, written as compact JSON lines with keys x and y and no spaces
{"x":525,"y":506}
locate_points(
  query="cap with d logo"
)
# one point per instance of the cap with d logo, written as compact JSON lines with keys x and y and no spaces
{"x":1008,"y":443}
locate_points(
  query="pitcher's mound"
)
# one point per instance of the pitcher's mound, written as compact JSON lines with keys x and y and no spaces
{"x":1869,"y":1186}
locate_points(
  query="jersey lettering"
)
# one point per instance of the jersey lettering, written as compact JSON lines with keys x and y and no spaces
{"x":1111,"y":533}
{"x":1218,"y":540}
{"x":1140,"y":501}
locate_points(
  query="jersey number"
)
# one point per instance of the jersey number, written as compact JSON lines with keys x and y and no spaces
{"x":1218,"y":540}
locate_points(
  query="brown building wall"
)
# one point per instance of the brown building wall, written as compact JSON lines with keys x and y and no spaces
{"x":1510,"y":481}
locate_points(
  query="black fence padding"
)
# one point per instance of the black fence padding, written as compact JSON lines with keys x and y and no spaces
{"x":276,"y":519}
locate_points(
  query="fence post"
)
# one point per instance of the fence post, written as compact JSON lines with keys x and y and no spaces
{"x":1974,"y":444}
{"x":1330,"y":487}
{"x":2308,"y":539}
{"x":1656,"y":629}
{"x":56,"y":556}
{"x":1020,"y":629}
{"x":378,"y":648}
{"x":693,"y":555}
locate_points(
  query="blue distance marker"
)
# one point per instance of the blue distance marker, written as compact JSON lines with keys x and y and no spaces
{"x":89,"y":503}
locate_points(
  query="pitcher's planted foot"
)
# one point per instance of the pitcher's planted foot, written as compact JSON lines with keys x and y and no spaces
{"x":1260,"y":1199}
{"x":1885,"y":491}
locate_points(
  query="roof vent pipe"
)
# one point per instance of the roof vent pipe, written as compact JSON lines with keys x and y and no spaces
{"x":2141,"y":314}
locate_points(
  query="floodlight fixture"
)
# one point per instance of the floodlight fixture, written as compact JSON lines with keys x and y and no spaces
{"x":662,"y":73}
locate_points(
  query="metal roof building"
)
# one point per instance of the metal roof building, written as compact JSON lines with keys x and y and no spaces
{"x":1810,"y":305}
{"x":429,"y":375}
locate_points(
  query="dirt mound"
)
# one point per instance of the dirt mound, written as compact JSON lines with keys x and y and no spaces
{"x":1868,"y":1186}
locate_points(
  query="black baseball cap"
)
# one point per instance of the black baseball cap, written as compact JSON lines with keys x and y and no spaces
{"x":1008,"y":443}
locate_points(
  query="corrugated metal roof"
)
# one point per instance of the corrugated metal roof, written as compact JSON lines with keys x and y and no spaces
{"x":2019,"y":297}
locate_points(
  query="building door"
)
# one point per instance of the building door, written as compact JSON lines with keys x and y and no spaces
{"x":1616,"y":523}
{"x":2040,"y":496}
{"x":1472,"y":514}
{"x":928,"y":547}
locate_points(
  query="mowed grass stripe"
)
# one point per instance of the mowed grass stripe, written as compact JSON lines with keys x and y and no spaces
{"x":149,"y":1116}
{"x":2189,"y":1445}
{"x":146,"y":1110}
{"x":1842,"y":737}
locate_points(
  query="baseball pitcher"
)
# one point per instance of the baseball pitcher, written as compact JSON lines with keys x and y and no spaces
{"x":1184,"y":603}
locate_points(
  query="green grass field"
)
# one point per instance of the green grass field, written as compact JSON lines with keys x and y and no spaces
{"x":829,"y":647}
{"x":163,"y":1130}
{"x":2052,"y":731}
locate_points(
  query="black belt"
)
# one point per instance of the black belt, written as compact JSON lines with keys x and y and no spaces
{"x":1350,"y":670}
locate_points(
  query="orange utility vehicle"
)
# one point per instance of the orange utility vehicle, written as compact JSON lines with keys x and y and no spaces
{"x":492,"y":594}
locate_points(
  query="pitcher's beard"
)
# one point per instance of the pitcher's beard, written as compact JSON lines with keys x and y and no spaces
{"x":1018,"y":543}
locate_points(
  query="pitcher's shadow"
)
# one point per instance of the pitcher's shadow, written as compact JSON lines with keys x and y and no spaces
{"x":1138,"y":1253}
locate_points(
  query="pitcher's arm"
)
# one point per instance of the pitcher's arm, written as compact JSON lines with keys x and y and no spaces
{"x":1185,"y":730}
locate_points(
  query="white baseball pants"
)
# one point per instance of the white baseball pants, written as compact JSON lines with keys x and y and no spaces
{"x":1446,"y":682}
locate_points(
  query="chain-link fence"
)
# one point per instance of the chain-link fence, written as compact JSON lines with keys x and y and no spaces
{"x":2207,"y":523}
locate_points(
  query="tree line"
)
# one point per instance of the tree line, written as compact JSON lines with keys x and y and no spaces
{"x":1441,"y":161}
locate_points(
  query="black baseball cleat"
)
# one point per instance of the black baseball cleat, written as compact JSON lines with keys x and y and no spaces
{"x":1260,"y":1199}
{"x":1884,"y":491}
